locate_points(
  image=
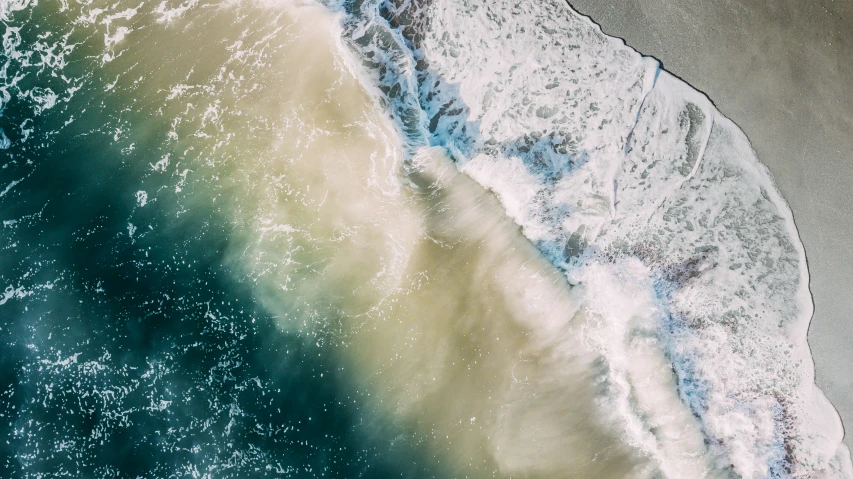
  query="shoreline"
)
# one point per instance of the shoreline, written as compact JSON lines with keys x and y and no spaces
{"x":766,"y":69}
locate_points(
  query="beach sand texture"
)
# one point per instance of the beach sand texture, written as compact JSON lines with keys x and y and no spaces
{"x":783,"y":71}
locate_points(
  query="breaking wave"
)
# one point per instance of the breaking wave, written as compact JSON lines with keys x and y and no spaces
{"x":675,"y":240}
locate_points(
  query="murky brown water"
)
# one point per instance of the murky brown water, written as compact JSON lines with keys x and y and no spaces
{"x":451,"y":321}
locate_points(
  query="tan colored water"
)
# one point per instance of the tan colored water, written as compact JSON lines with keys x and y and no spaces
{"x":450,"y":319}
{"x":446,"y":318}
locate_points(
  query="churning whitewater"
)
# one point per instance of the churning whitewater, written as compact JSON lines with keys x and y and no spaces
{"x":386,"y":238}
{"x":677,"y":244}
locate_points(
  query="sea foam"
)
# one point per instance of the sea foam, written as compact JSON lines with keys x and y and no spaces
{"x":653,"y":204}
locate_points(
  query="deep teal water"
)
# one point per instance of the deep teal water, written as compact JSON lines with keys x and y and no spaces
{"x":148,"y":354}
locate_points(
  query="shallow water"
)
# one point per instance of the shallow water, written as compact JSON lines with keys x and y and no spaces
{"x":685,"y":257}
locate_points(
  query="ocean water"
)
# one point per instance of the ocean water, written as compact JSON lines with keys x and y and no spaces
{"x":386,"y":239}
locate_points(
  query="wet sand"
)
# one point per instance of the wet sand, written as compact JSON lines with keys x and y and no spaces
{"x":783,"y":72}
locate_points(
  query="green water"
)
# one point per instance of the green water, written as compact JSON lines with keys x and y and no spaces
{"x":214,"y":267}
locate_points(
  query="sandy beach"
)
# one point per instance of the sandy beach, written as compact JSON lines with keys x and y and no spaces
{"x":782,"y":71}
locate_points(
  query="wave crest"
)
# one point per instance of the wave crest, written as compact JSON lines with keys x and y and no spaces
{"x":625,"y":178}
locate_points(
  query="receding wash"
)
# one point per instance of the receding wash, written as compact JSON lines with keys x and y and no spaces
{"x":420,"y":238}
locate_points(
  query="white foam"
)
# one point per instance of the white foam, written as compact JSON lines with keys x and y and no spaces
{"x":647,"y":198}
{"x":624,"y":313}
{"x":5,"y":142}
{"x":141,"y":197}
{"x":10,"y":6}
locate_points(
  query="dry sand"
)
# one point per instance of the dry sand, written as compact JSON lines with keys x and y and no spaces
{"x":783,"y":71}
